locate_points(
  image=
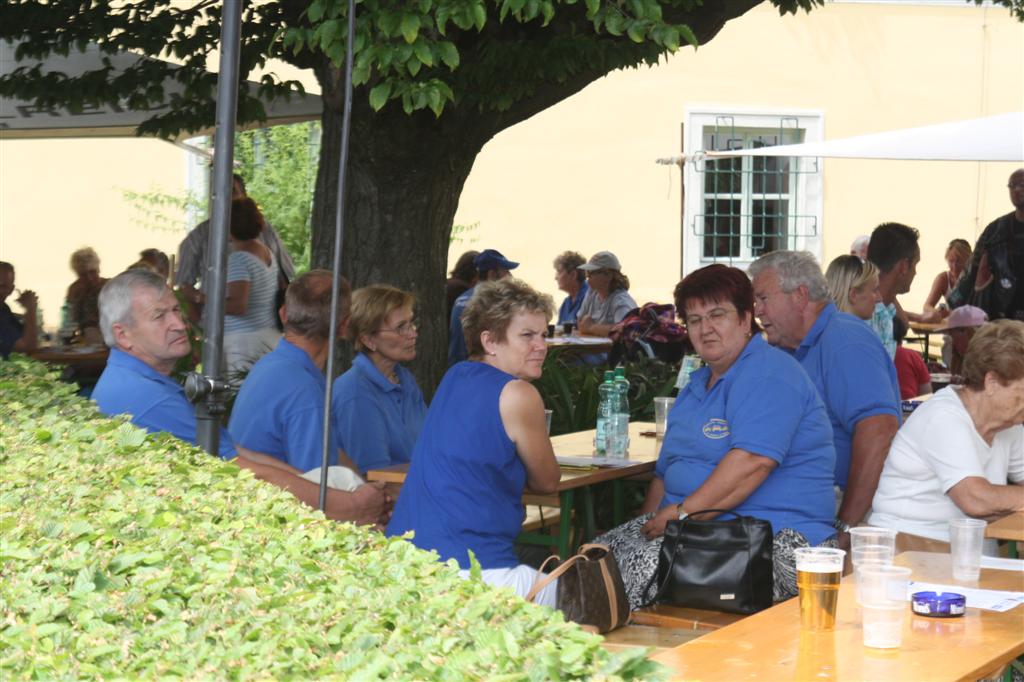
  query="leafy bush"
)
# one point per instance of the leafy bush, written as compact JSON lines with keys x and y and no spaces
{"x":135,"y":556}
{"x":569,"y":389}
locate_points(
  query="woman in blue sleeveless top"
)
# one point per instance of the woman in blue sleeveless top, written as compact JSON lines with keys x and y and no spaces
{"x":484,"y":440}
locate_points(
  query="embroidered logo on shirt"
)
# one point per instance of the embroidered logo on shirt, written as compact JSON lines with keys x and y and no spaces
{"x":716,"y":428}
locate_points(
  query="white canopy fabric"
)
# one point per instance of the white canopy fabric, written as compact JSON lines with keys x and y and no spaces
{"x":23,"y":120}
{"x":993,"y":138}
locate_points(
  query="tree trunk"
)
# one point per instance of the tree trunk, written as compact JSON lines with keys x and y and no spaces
{"x":403,"y":182}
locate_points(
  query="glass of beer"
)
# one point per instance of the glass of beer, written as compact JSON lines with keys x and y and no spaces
{"x":817,"y":578}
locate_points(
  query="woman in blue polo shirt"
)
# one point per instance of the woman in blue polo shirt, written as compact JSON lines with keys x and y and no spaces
{"x":485,"y":440}
{"x":377,"y":407}
{"x":747,"y":433}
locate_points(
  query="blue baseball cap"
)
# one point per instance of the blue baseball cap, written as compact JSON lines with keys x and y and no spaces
{"x":489,"y":259}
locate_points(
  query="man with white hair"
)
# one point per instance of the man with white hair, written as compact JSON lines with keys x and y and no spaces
{"x":142,"y":323}
{"x":845,"y":360}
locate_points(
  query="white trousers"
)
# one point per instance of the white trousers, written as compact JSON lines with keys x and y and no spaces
{"x":520,"y":579}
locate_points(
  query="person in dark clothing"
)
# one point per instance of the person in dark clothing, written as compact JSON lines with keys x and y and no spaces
{"x":17,"y":335}
{"x":993,"y":278}
{"x":463,"y":277}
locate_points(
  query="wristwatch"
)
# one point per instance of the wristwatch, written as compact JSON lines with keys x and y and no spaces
{"x":682,"y":514}
{"x":841,"y":526}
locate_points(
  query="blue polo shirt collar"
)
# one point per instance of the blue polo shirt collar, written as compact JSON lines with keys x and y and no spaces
{"x":370,"y":371}
{"x":817,"y":329}
{"x":119,"y":358}
{"x":292,"y":352}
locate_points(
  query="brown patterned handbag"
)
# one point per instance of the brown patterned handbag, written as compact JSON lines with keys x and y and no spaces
{"x":590,"y":588}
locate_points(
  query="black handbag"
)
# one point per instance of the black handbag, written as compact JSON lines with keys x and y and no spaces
{"x":590,"y":588}
{"x":720,"y":565}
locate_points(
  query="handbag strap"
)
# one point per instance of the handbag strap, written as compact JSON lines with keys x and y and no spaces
{"x":543,"y":582}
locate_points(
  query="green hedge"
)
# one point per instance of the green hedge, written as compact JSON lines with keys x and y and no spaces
{"x":127,"y":555}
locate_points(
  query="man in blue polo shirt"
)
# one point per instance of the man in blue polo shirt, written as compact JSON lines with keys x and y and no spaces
{"x":279,"y":410}
{"x":492,"y":266}
{"x":141,"y":321}
{"x":847,"y":364}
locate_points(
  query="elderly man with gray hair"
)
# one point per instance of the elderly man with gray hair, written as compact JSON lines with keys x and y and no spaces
{"x":142,"y":323}
{"x":846,"y":362}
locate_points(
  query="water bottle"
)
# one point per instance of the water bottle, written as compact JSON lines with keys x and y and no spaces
{"x":605,"y":408}
{"x":622,"y":390}
{"x":690,"y":363}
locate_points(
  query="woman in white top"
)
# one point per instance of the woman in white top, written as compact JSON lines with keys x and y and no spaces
{"x":608,"y":300}
{"x":250,"y":317}
{"x":961,"y":454}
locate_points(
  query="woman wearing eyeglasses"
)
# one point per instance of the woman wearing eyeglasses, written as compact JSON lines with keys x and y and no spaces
{"x":377,"y":407}
{"x":748,"y":433}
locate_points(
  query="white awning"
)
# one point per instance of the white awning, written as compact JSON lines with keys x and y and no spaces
{"x":993,"y":138}
{"x":23,"y":120}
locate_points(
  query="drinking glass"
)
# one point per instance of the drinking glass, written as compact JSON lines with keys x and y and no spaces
{"x":883,"y":624}
{"x":868,"y":555}
{"x":869,"y":535}
{"x":965,"y":541}
{"x":547,"y":419}
{"x":817,"y":578}
{"x":883,"y":584}
{"x":662,"y":406}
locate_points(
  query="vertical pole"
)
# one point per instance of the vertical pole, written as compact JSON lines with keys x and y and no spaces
{"x":339,"y":234}
{"x":208,"y":410}
{"x":682,"y":201}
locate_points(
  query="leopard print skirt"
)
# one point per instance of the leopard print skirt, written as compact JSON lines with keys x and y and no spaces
{"x":638,"y":559}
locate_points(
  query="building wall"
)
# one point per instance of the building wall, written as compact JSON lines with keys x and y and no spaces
{"x":59,"y":195}
{"x":582,"y":174}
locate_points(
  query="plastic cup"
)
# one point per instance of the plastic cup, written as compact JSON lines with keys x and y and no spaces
{"x":662,"y":406}
{"x":551,"y":331}
{"x":567,"y":328}
{"x":869,"y":535}
{"x":547,"y":419}
{"x":881,"y":584}
{"x":883,"y":624}
{"x":818,"y":570}
{"x":868,"y":555}
{"x":965,"y":541}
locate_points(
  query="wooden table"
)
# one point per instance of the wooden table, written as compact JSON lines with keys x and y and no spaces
{"x":771,"y":646}
{"x":925,"y":330}
{"x":580,"y":345}
{"x":1009,"y":528}
{"x":72,"y":355}
{"x":643,"y":453}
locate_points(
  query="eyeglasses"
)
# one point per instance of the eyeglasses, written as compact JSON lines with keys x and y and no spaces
{"x":407,"y":328}
{"x":714,"y":318}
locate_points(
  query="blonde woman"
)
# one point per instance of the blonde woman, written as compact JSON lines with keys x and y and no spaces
{"x":853,"y":285}
{"x":84,"y":294}
{"x":378,"y":409}
{"x":958,"y":255}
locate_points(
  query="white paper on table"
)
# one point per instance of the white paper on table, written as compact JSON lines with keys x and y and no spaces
{"x":1002,"y":564}
{"x":989,"y":600}
{"x":615,"y":462}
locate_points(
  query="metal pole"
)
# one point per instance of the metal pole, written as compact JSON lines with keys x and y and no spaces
{"x":209,"y":410}
{"x":339,"y":233}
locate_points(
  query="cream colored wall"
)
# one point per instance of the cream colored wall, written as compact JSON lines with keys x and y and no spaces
{"x":582,"y":176}
{"x":59,"y":195}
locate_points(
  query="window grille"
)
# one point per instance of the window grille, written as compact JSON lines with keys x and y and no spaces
{"x":749,"y":205}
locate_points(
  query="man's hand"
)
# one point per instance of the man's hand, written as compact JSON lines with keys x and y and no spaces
{"x":371,"y":505}
{"x":655,"y":528}
{"x":28,"y":300}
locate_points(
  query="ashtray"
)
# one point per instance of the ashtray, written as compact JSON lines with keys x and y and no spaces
{"x":938,"y":604}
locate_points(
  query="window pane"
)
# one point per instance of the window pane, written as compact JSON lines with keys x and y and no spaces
{"x":768,"y":226}
{"x":721,"y":228}
{"x":771,"y":175}
{"x":723,"y":176}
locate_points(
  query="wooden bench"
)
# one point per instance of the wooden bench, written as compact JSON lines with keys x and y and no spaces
{"x":681,"y":618}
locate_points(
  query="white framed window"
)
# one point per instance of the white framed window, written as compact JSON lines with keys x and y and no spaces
{"x":740,"y":208}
